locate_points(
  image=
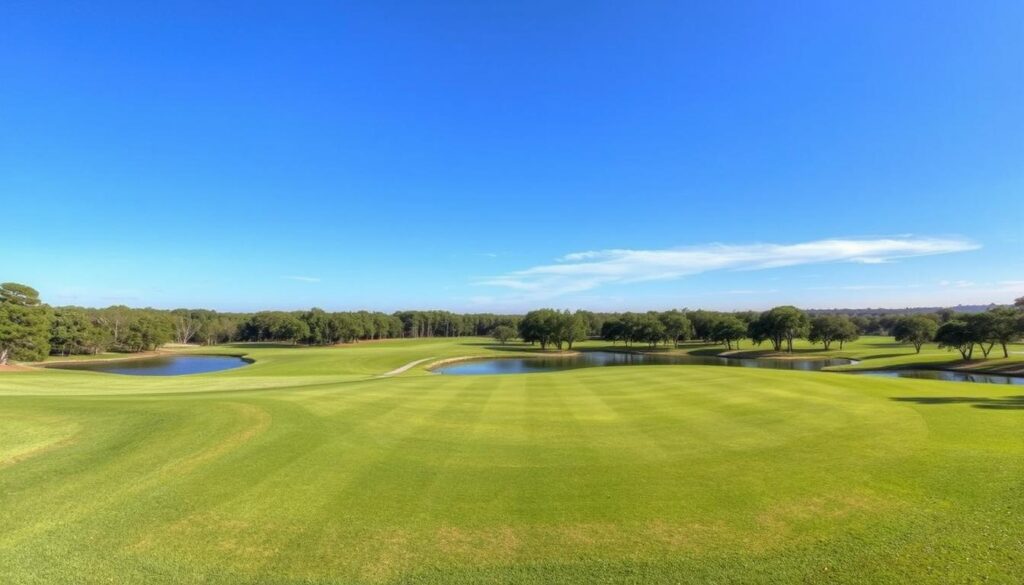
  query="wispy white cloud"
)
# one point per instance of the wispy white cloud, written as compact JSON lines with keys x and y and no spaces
{"x":867,"y":287}
{"x":958,"y":283}
{"x":1001,"y":286}
{"x":302,"y":278}
{"x":750,"y":291}
{"x":582,"y":271}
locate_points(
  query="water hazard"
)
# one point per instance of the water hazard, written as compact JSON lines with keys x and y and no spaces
{"x":176,"y":365}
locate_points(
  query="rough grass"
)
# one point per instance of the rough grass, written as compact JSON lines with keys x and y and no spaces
{"x":307,"y":468}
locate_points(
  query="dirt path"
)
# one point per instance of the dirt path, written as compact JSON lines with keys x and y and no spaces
{"x":404,"y":368}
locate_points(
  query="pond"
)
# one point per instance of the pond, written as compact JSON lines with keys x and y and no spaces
{"x":589,"y":359}
{"x":172,"y":365}
{"x":946,"y":376}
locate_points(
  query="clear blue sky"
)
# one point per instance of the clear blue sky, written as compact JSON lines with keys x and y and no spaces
{"x":501,"y":156}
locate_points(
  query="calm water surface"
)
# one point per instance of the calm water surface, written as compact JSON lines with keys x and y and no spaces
{"x":589,"y":359}
{"x":175,"y":365}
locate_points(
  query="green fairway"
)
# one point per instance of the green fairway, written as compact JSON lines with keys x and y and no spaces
{"x":311,"y":466}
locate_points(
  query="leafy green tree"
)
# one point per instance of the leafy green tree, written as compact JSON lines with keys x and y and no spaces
{"x":503,"y":333}
{"x":703,"y":323}
{"x":148,"y":333}
{"x":570,"y":328}
{"x":824,"y":329}
{"x":916,"y":330}
{"x":345,"y":327}
{"x":220,"y":329}
{"x":780,"y":325}
{"x":650,"y":329}
{"x":24,"y":324}
{"x":848,"y":331}
{"x":540,"y":326}
{"x":982,"y":328}
{"x":318,"y":324}
{"x":955,"y":335}
{"x":115,"y":319}
{"x":728,"y":329}
{"x":72,"y":332}
{"x":1005,"y":327}
{"x":827,"y":329}
{"x":677,"y":326}
{"x":186,"y":324}
{"x":291,"y":328}
{"x":614,"y":330}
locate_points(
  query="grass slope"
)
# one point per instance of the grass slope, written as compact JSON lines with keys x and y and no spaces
{"x":307,"y":467}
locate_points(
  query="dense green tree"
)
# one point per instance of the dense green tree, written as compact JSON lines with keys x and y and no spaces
{"x":346,"y":327}
{"x":539,"y":326}
{"x":956,"y":335}
{"x":826,"y":329}
{"x":73,"y":332}
{"x":187,"y":323}
{"x":24,"y":324}
{"x":1005,"y":327}
{"x":780,"y":325}
{"x":570,"y":328}
{"x":916,"y":330}
{"x":219,"y":329}
{"x":148,"y":332}
{"x":677,"y":326}
{"x":703,"y":323}
{"x":503,"y":333}
{"x":593,"y":321}
{"x":551,"y":327}
{"x":649,"y":329}
{"x":982,"y":328}
{"x":613,"y":330}
{"x":728,"y":329}
{"x":847,"y":332}
{"x":291,"y":328}
{"x":318,"y":325}
{"x":115,"y":319}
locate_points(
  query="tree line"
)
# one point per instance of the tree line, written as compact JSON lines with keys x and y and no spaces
{"x":779,"y":327}
{"x":30,"y":330}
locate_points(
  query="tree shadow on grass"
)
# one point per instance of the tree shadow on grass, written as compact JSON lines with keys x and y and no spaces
{"x":1002,"y":403}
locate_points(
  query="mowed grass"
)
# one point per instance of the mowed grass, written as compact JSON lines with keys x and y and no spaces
{"x":307,"y":467}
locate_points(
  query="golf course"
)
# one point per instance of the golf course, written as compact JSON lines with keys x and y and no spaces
{"x":338,"y":465}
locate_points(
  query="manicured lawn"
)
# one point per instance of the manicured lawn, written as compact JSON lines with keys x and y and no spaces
{"x":307,"y":467}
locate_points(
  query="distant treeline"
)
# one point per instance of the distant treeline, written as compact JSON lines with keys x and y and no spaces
{"x":779,"y":326}
{"x":31,"y":330}
{"x":77,"y":330}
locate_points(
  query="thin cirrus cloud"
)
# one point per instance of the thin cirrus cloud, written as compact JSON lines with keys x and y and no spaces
{"x":302,"y":278}
{"x":584,"y":271}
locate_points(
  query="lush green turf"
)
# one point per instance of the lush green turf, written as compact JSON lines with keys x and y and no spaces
{"x":307,"y":467}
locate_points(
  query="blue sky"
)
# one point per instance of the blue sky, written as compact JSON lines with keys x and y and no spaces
{"x":503,"y":156}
